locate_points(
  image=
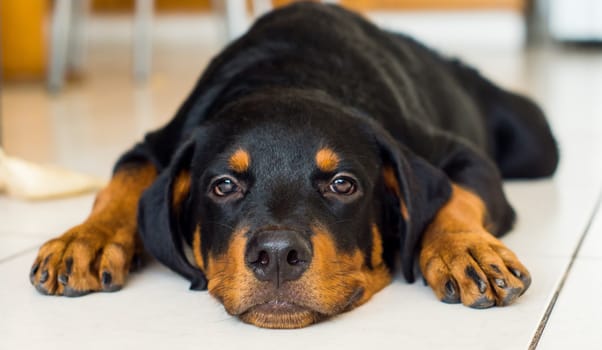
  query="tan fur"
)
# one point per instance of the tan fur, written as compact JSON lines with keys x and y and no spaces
{"x":106,"y":241}
{"x":240,"y":161}
{"x":333,"y":283}
{"x":327,"y":160}
{"x":196,"y":248}
{"x":227,"y":275}
{"x":457,"y":240}
{"x":393,"y":185}
{"x":181,"y":188}
{"x":379,"y":276}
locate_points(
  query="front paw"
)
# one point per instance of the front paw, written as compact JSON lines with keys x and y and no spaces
{"x":474,"y":268}
{"x":88,"y":258}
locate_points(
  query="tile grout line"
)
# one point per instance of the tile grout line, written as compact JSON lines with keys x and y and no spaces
{"x":546,"y":316}
{"x":20,"y":253}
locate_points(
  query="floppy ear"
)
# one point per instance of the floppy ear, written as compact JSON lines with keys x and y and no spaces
{"x":159,"y":220}
{"x":421,"y":190}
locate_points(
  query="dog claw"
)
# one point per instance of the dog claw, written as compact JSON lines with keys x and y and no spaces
{"x":107,"y":278}
{"x":525,"y":278}
{"x":511,"y":296}
{"x":70,"y":292}
{"x":451,"y":293}
{"x":472,"y":273}
{"x":482,"y":303}
{"x":44,"y":276}
{"x":63,"y":279}
{"x":34,"y":269}
{"x":68,"y":265}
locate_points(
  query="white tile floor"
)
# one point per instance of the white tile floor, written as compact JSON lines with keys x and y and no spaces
{"x":89,"y":124}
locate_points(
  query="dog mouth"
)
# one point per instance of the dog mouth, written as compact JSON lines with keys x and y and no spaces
{"x":280,"y":314}
{"x":279,"y":307}
{"x":283,"y":313}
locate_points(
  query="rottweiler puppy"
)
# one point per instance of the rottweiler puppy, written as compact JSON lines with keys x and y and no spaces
{"x":315,"y":154}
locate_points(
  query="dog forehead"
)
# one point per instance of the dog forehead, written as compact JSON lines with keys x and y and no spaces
{"x":277,"y":147}
{"x":274,"y":148}
{"x":279,"y":133}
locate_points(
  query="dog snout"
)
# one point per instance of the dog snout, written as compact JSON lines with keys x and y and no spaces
{"x":278,"y":256}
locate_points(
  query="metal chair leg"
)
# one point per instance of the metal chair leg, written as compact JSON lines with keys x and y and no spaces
{"x":76,"y":46}
{"x":261,"y":7}
{"x":236,"y":18}
{"x":59,"y":39}
{"x":142,"y":45}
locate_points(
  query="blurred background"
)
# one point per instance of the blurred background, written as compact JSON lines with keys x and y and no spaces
{"x":82,"y":80}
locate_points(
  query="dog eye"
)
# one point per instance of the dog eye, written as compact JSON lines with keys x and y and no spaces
{"x":343,"y":185}
{"x":225,"y":186}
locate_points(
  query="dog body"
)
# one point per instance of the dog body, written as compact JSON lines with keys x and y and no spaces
{"x":312,"y":152}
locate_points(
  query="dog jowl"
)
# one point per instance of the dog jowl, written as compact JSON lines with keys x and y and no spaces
{"x":314,"y":153}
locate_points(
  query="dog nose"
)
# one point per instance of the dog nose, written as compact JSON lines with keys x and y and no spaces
{"x":278,"y":256}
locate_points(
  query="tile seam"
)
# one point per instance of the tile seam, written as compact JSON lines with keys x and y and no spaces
{"x":18,"y":254}
{"x":546,"y":316}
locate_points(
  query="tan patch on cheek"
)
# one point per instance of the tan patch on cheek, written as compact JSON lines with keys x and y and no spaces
{"x":240,"y":161}
{"x":393,"y":185}
{"x":334,"y":276}
{"x":327,"y":160}
{"x":229,"y":279}
{"x":379,"y":275}
{"x":377,"y":247}
{"x":330,"y":275}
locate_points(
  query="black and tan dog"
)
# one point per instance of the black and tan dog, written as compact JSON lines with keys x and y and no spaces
{"x":312,"y":152}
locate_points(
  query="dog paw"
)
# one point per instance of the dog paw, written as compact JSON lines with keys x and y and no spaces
{"x":474,"y":268}
{"x":88,"y":258}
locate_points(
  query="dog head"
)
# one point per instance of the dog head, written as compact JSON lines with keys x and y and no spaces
{"x":292,"y":206}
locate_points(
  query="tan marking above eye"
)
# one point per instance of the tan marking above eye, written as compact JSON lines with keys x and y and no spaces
{"x":240,"y":161}
{"x":327,"y":160}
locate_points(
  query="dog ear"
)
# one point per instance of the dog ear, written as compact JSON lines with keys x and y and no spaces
{"x":421,"y":189}
{"x":159,"y":220}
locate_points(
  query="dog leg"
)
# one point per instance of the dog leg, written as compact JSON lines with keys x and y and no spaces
{"x":463,"y":262}
{"x":96,"y":255}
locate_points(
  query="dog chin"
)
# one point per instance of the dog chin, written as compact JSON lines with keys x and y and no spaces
{"x":280,"y":315}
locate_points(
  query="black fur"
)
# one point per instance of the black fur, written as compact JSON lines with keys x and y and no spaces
{"x":310,"y":75}
{"x":160,"y":230}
